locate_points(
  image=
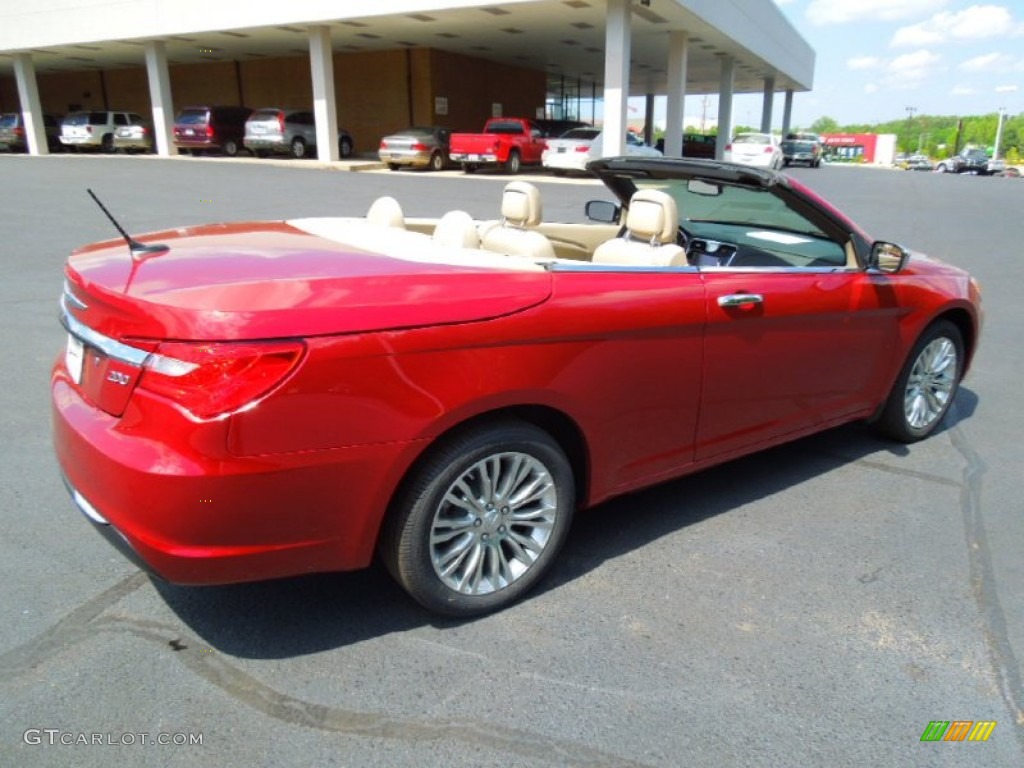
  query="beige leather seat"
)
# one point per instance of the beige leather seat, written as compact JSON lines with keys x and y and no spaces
{"x":457,"y":229}
{"x":652,"y":224}
{"x":386,"y":212}
{"x":520,"y":209}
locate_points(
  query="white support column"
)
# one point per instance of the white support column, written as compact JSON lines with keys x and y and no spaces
{"x":725,"y":92}
{"x":678,"y":50}
{"x":31,"y":109}
{"x":787,"y":112}
{"x":616,"y":77}
{"x":160,"y":96}
{"x":649,"y":119}
{"x":768,"y":103}
{"x":325,"y":107}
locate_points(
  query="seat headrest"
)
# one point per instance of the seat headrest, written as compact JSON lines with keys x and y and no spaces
{"x":520,"y":204}
{"x":457,"y":230}
{"x":653,"y":215}
{"x":386,"y":212}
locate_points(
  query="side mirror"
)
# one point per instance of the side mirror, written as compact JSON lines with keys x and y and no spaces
{"x":603,"y":211}
{"x":887,"y":258}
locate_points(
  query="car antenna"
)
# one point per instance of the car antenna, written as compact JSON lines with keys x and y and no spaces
{"x":138,"y":250}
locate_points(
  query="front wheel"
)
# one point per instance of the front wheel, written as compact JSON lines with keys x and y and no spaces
{"x":926,"y":386}
{"x":481,"y":520}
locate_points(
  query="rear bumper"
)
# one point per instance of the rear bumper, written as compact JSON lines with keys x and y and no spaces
{"x":399,"y":157}
{"x":266,"y":143}
{"x":168,"y":495}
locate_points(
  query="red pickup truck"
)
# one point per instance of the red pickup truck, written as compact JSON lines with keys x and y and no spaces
{"x":507,"y":141}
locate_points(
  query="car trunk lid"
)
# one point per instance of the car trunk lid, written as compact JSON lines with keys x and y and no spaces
{"x":246,"y":282}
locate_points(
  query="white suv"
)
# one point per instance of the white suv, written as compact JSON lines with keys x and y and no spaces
{"x":94,"y":130}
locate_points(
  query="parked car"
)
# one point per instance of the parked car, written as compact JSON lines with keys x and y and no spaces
{"x":93,"y":130}
{"x":137,"y":136}
{"x":577,"y":147}
{"x":507,"y":142}
{"x":212,"y":128}
{"x":289,"y":397}
{"x":273,"y":130}
{"x":971,"y":160}
{"x":12,"y":132}
{"x":555,"y":128}
{"x":918,"y":163}
{"x":694,"y":145}
{"x":757,"y":149}
{"x":801,"y":148}
{"x":416,"y":147}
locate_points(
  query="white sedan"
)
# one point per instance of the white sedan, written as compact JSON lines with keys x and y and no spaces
{"x":760,"y":149}
{"x":575,"y":148}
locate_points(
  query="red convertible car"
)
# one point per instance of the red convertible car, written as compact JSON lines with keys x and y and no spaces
{"x":246,"y":401}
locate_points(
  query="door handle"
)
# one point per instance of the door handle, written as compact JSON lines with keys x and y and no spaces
{"x":740,"y":299}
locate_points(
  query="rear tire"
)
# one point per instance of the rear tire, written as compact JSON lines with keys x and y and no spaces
{"x":926,"y":385}
{"x":481,"y":519}
{"x":513,"y":163}
{"x":393,"y":166}
{"x":107,"y":144}
{"x":468,"y":168}
{"x":230,"y":148}
{"x":436,"y":162}
{"x":298,"y":149}
{"x":345,"y":147}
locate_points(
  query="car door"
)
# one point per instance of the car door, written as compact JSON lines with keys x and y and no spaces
{"x":787,"y":349}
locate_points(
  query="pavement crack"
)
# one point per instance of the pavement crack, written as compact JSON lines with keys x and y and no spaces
{"x":92,"y":617}
{"x":983,"y":581}
{"x":69,"y":631}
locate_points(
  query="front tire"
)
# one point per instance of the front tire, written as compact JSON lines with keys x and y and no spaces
{"x":481,"y":520}
{"x":926,"y":386}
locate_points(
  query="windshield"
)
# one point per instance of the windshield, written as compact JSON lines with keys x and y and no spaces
{"x":752,"y":138}
{"x":191,"y":117}
{"x":749,"y":217}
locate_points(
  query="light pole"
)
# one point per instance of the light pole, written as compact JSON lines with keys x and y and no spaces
{"x":999,"y":133}
{"x":910,"y":117}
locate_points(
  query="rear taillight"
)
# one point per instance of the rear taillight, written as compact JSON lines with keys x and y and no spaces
{"x":383,"y":144}
{"x":216,"y":378}
{"x":769,"y":149}
{"x":582,"y":147}
{"x":19,"y":131}
{"x":88,"y":129}
{"x":728,"y":147}
{"x":419,"y":147}
{"x":209,"y":131}
{"x":280,"y":121}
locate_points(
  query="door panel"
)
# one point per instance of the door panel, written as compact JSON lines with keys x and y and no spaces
{"x":809,"y":351}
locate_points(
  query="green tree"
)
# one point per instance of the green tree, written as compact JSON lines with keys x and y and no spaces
{"x":825,"y":125}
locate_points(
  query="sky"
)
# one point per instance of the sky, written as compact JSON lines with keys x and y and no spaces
{"x":877,"y":58}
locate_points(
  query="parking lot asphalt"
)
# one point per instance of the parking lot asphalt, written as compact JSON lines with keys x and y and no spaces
{"x":815,"y":605}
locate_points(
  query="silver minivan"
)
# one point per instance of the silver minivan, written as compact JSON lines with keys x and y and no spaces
{"x":286,"y":131}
